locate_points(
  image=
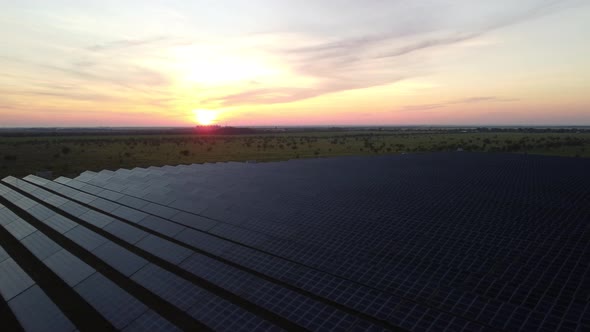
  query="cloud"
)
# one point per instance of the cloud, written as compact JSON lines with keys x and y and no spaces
{"x":126,"y":43}
{"x":280,"y":95}
{"x":382,"y":58}
{"x":361,"y":46}
{"x":470,"y":100}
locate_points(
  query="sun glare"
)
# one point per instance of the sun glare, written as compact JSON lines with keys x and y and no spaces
{"x":205,"y":117}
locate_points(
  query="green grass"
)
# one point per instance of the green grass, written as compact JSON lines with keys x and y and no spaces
{"x":70,"y":156}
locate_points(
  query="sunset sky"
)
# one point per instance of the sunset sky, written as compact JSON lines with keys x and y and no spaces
{"x":286,"y":62}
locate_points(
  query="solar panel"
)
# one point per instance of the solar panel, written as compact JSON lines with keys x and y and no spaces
{"x":19,"y":229}
{"x":120,"y":308}
{"x":129,"y":214}
{"x":97,"y":219}
{"x":3,"y":255}
{"x":73,"y":208}
{"x":40,"y":212}
{"x":36,"y":312}
{"x":164,"y":249}
{"x":397,"y":241}
{"x":85,"y":238}
{"x":60,"y":223}
{"x":119,"y":258}
{"x":161,"y":225}
{"x":193,"y":221}
{"x":150,"y":321}
{"x":125,"y":231}
{"x":69,"y":267}
{"x":40,"y":245}
{"x":13,"y":280}
{"x":169,"y":286}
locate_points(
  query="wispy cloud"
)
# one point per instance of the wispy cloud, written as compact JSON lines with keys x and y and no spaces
{"x":148,"y":55}
{"x":470,"y":100}
{"x":126,"y":43}
{"x":380,"y":58}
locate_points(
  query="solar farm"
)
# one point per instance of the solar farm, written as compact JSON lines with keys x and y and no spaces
{"x":413,"y":242}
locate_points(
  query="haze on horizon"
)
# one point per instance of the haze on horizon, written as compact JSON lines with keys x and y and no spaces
{"x":280,"y":62}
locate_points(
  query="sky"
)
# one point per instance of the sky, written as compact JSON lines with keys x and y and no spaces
{"x":284,"y":62}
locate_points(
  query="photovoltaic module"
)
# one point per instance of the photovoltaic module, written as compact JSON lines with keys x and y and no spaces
{"x":414,"y":242}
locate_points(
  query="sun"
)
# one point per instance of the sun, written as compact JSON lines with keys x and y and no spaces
{"x":205,"y":117}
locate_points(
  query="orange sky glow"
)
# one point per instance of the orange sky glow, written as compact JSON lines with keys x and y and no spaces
{"x":270,"y":63}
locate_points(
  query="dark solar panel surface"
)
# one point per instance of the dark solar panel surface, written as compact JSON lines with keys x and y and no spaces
{"x":418,"y":242}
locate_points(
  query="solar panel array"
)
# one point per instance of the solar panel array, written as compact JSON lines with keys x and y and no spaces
{"x":417,"y":242}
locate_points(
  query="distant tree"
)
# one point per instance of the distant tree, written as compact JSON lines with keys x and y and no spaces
{"x":65,"y":150}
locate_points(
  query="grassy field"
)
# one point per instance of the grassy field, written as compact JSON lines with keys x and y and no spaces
{"x":71,"y":155}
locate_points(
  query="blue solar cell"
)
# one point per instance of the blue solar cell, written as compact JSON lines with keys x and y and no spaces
{"x":110,"y":195}
{"x":116,"y":305}
{"x":82,"y":197}
{"x":3,"y":255}
{"x":129,"y":214}
{"x":24,"y":203}
{"x":40,"y":245}
{"x":204,"y":241}
{"x":89,"y":189}
{"x":193,"y":221}
{"x":161,"y":197}
{"x":113,"y":186}
{"x":161,"y":225}
{"x":169,"y":286}
{"x":60,"y":223}
{"x":132,"y":202}
{"x":151,"y":321}
{"x":96,"y":218}
{"x":69,"y":267}
{"x":73,"y":208}
{"x":164,"y":249}
{"x":56,"y":200}
{"x":120,"y":258}
{"x":6,"y":216}
{"x":85,"y":238}
{"x":40,"y":212}
{"x":159,"y":210}
{"x":221,"y":315}
{"x":125,"y":231}
{"x":13,"y":280}
{"x":103,"y":204}
{"x":36,"y":312}
{"x":36,"y":179}
{"x":20,"y":229}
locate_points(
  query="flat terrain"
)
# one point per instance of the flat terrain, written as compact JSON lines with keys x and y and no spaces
{"x":71,"y":155}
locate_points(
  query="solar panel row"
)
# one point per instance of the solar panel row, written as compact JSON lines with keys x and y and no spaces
{"x":366,"y":300}
{"x":174,"y":253}
{"x":464,"y":242}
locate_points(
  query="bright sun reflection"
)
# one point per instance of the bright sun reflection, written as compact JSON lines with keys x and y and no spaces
{"x":205,"y":117}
